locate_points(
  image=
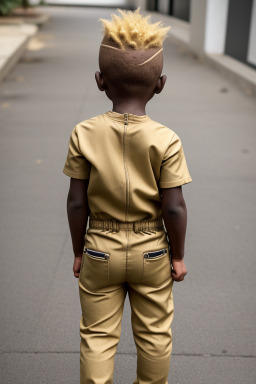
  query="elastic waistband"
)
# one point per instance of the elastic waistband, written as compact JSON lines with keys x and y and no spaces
{"x":136,"y":226}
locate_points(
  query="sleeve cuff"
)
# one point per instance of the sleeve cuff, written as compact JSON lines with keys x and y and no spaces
{"x":177,"y":183}
{"x":75,"y":175}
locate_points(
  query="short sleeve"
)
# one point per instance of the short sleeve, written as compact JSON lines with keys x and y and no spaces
{"x":174,"y":171}
{"x":76,"y":165}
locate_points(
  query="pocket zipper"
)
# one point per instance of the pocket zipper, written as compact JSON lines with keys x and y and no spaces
{"x":154,"y":254}
{"x":96,"y":254}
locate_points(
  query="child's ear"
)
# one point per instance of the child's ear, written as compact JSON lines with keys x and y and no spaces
{"x":160,"y":84}
{"x":100,"y":81}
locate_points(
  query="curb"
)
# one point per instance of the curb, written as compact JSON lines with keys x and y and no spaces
{"x":243,"y":75}
{"x":13,"y":43}
{"x":39,"y":20}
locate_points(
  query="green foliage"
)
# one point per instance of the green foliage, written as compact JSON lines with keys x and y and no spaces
{"x":7,"y":6}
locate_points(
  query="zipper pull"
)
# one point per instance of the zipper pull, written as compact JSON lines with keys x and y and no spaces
{"x":126,"y":119}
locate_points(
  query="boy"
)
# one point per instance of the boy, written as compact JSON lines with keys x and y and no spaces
{"x":126,"y":174}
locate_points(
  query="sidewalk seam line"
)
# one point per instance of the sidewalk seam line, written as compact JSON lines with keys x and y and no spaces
{"x":130,"y":353}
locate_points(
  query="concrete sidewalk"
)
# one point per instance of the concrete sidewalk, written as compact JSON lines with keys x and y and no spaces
{"x":13,"y":42}
{"x":50,"y":90}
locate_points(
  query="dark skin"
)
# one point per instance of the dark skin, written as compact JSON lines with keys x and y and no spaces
{"x":136,"y":100}
{"x":173,"y":204}
{"x":175,"y":218}
{"x":78,"y":212}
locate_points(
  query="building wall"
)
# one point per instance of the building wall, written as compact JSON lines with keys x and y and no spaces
{"x":216,"y":26}
{"x":224,"y":27}
{"x":152,"y":5}
{"x":176,"y":8}
{"x":164,"y":6}
{"x":181,"y":9}
{"x":238,"y":29}
{"x":134,"y":4}
{"x":251,"y":57}
{"x":198,"y":22}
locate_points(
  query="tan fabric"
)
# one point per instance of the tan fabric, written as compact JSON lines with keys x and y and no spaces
{"x":125,"y":164}
{"x":126,"y":267}
{"x":127,"y":159}
{"x":136,"y":226}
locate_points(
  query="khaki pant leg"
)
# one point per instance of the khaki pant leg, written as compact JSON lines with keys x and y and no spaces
{"x":152,"y":315}
{"x":100,"y":330}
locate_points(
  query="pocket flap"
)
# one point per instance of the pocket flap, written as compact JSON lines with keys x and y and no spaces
{"x":96,"y":254}
{"x":155,"y":254}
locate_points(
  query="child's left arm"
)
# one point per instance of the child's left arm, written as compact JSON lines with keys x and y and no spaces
{"x":78,"y":212}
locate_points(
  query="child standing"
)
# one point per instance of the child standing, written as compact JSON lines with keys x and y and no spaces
{"x":126,"y":174}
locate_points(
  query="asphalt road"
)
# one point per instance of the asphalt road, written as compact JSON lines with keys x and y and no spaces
{"x":51,"y":90}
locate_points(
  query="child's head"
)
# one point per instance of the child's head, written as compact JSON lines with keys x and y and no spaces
{"x":131,"y":55}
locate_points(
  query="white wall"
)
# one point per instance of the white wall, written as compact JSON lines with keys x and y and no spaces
{"x":197,"y":25}
{"x":208,"y":20}
{"x":163,"y":6}
{"x":216,"y":25}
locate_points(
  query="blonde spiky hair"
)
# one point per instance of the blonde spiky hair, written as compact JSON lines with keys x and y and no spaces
{"x":133,"y":30}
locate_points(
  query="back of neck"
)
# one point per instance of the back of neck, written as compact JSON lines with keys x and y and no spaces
{"x":135,"y":107}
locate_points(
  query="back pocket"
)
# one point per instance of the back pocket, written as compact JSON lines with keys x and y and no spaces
{"x":94,"y":273}
{"x":156,"y":267}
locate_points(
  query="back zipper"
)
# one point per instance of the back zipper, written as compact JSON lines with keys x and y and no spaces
{"x":125,"y":165}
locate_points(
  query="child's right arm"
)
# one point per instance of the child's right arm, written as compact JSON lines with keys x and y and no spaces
{"x":78,"y":212}
{"x":175,"y":219}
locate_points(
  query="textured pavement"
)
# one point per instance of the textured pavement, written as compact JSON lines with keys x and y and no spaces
{"x":51,"y":90}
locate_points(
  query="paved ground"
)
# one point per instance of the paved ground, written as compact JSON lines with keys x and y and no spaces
{"x":50,"y":91}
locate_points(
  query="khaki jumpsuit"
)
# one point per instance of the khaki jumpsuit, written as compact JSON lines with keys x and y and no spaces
{"x":126,"y":158}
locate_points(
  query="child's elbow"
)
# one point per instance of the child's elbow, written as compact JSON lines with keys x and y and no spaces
{"x":75,"y":203}
{"x":174,"y":209}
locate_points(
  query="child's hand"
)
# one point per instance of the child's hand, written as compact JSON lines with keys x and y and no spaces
{"x":77,"y":265}
{"x":179,"y":270}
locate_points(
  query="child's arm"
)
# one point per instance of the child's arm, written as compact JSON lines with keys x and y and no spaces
{"x":78,"y":211}
{"x":175,"y":219}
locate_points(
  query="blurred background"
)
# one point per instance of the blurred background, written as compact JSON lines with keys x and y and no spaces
{"x":48,"y":57}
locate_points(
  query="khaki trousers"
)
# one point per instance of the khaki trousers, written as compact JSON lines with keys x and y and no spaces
{"x":113,"y":265}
